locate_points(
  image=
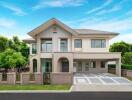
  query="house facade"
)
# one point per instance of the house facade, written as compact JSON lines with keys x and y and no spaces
{"x":62,"y":51}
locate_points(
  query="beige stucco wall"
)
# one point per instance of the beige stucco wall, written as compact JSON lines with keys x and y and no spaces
{"x":97,"y":69}
{"x":61,"y":33}
{"x":86,"y":52}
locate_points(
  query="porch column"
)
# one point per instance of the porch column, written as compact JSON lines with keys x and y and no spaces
{"x":54,"y":65}
{"x":118,"y":66}
{"x":106,"y":66}
{"x":38,"y":45}
{"x":31,"y":65}
{"x":30,"y":50}
{"x":70,"y":65}
{"x":38,"y":65}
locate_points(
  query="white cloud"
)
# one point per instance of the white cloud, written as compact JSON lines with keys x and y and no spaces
{"x":16,"y":10}
{"x":124,"y":37}
{"x":108,"y":2}
{"x":6,"y":23}
{"x":117,"y":25}
{"x":106,"y":11}
{"x":58,"y":3}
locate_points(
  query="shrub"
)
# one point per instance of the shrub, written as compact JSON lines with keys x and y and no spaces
{"x":112,"y":66}
{"x":128,"y":67}
{"x":127,"y":58}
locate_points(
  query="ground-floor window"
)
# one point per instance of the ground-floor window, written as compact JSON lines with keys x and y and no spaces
{"x":102,"y":64}
{"x":34,"y":65}
{"x":86,"y":66}
{"x":80,"y":66}
{"x":93,"y":64}
{"x":46,"y":65}
{"x":64,"y":65}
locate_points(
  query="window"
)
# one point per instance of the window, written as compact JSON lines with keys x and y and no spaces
{"x":46,"y":45}
{"x":98,"y":43}
{"x":78,"y":43}
{"x":102,"y":64}
{"x":34,"y":48}
{"x":63,"y":45}
{"x":34,"y":65}
{"x":93,"y":64}
{"x":79,"y":66}
{"x":86,"y":66}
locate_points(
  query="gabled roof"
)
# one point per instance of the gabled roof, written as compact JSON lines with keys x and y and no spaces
{"x":92,"y":32}
{"x":49,"y":23}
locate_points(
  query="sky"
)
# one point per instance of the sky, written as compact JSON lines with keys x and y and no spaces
{"x":18,"y":17}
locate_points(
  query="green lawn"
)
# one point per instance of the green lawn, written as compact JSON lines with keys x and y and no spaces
{"x":34,"y":87}
{"x":129,"y":78}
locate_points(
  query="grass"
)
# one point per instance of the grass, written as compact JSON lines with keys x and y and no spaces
{"x":34,"y":87}
{"x":130,"y":78}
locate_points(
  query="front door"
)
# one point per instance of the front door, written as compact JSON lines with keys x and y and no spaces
{"x":46,"y":69}
{"x":46,"y":65}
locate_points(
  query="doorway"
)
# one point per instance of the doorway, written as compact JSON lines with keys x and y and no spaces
{"x":46,"y":65}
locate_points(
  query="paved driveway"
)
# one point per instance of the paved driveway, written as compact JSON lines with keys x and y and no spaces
{"x":100,"y":82}
{"x":99,"y":79}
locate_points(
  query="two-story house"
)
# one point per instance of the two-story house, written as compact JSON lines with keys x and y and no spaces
{"x":61,"y":50}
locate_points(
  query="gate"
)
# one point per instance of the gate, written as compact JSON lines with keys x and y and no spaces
{"x":46,"y":78}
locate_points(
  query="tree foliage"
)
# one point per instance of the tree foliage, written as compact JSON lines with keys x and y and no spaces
{"x":11,"y":59}
{"x":3,"y":43}
{"x":120,"y":47}
{"x":13,"y":52}
{"x":127,"y":58}
{"x":19,"y":46}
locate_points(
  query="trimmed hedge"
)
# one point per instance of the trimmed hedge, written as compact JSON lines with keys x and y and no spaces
{"x":128,"y":67}
{"x":123,"y":66}
{"x":111,"y":66}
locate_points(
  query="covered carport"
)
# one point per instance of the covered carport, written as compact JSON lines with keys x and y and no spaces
{"x":103,"y":56}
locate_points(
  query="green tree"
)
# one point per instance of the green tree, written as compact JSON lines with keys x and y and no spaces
{"x":19,"y":46}
{"x":12,"y":59}
{"x":120,"y":47}
{"x":127,"y":58}
{"x":3,"y":43}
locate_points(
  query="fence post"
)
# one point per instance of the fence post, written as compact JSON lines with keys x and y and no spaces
{"x":25,"y":78}
{"x":38,"y":78}
{"x":11,"y":78}
{"x":0,"y":78}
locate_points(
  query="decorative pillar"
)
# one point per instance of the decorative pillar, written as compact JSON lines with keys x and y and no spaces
{"x":38,"y":45}
{"x":31,"y":65}
{"x":106,"y":66}
{"x":25,"y":78}
{"x":11,"y":78}
{"x":0,"y":77}
{"x":38,"y":78}
{"x":54,"y":65}
{"x":39,"y":65}
{"x":70,"y":65}
{"x":118,"y":67}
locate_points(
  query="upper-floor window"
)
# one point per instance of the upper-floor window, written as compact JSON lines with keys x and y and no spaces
{"x":46,"y":45}
{"x":77,"y":43}
{"x":63,"y":45}
{"x":34,"y":48}
{"x":98,"y":43}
